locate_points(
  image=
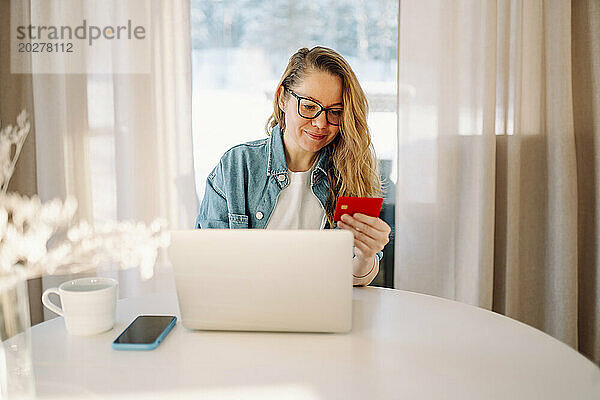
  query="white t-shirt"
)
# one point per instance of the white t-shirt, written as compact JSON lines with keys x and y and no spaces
{"x":297,"y":206}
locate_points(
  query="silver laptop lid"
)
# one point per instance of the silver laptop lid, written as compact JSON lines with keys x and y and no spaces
{"x":263,"y":280}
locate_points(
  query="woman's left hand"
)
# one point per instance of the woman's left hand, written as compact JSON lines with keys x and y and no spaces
{"x":371,"y":234}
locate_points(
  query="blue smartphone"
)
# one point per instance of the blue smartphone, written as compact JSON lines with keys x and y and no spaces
{"x":145,"y":332}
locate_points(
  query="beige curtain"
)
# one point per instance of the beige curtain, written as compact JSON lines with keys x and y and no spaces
{"x":586,"y":108}
{"x":121,"y":142}
{"x":16,"y":95}
{"x":488,"y":189}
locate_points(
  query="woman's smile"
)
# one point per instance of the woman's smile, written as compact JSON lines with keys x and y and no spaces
{"x":315,"y":136}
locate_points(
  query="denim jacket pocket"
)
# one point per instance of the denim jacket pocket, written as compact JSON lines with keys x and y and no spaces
{"x":238,"y":221}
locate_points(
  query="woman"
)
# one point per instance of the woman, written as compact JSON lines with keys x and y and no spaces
{"x":318,"y":148}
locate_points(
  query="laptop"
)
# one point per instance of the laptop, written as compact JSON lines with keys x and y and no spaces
{"x":263,"y":280}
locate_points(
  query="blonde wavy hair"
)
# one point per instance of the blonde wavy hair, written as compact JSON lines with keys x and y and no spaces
{"x":352,"y":169}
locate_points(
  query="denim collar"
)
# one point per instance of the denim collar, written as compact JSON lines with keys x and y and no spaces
{"x":276,"y":163}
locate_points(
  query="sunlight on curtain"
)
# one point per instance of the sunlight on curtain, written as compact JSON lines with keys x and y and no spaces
{"x":487,"y":182}
{"x":120,"y":142}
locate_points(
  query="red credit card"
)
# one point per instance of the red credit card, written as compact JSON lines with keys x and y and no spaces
{"x":352,"y":205}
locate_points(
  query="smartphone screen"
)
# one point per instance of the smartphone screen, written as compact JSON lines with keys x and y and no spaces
{"x":145,"y":329}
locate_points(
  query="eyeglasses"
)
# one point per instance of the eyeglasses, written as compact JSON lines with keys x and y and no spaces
{"x":310,"y":109}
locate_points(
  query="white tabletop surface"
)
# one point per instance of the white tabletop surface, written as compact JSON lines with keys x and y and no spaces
{"x":402,"y":345}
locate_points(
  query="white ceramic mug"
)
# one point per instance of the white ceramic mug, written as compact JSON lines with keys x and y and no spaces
{"x":88,"y":304}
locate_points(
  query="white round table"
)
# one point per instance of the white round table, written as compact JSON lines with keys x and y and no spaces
{"x":402,"y":345}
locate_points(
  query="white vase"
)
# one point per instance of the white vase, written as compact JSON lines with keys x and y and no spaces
{"x":16,"y":369}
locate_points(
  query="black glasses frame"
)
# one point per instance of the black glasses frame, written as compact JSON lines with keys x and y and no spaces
{"x":319,"y":112}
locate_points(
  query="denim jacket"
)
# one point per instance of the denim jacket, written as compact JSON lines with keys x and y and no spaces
{"x":242,"y":190}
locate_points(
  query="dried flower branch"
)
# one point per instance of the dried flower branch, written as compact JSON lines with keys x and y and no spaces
{"x":12,"y":137}
{"x":39,"y":238}
{"x":128,"y":243}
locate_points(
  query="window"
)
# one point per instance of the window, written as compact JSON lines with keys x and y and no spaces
{"x":240,"y":49}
